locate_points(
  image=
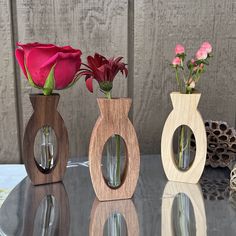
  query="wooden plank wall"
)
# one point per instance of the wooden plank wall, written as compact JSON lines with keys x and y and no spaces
{"x":145,"y":33}
{"x":158,"y":26}
{"x":9,"y":139}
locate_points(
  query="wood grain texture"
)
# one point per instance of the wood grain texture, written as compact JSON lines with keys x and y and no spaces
{"x":92,"y":26}
{"x":9,"y":146}
{"x":194,"y":193}
{"x":101,"y":211}
{"x":45,"y":113}
{"x":184,"y":113}
{"x":158,"y":26}
{"x":37,"y":195}
{"x":153,"y":29}
{"x":114,"y":120}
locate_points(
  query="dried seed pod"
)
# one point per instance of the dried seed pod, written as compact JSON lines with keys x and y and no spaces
{"x":215,"y":189}
{"x":233,"y":178}
{"x":221,"y":146}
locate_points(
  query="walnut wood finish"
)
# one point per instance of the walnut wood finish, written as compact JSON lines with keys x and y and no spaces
{"x":36,"y":194}
{"x":102,"y":210}
{"x":184,"y":113}
{"x":194,"y":193}
{"x":45,"y":113}
{"x":114,"y":120}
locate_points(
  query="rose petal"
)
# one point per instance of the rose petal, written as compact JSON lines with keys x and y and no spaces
{"x":67,"y":66}
{"x":179,"y":49}
{"x":20,"y":59}
{"x":34,"y":61}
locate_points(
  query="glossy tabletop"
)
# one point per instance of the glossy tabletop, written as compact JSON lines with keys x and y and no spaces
{"x":158,"y":207}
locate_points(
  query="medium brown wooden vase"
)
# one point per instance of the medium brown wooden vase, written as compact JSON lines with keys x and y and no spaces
{"x":114,"y":120}
{"x":45,"y":113}
{"x":101,"y":211}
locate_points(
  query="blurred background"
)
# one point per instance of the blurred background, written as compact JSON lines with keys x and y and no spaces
{"x":145,"y":33}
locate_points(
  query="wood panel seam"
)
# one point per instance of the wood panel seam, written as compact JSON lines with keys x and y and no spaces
{"x":130,"y":52}
{"x":16,"y":72}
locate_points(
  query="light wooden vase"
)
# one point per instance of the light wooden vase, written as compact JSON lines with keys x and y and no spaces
{"x":184,"y":113}
{"x":194,"y":193}
{"x":114,"y":120}
{"x":102,"y":210}
{"x":45,"y":113}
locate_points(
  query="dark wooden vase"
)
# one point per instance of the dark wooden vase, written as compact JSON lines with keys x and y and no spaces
{"x":33,"y":203}
{"x":45,"y":113}
{"x":114,"y":120}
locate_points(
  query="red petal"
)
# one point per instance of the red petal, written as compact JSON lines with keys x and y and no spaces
{"x":67,"y":65}
{"x":34,"y":61}
{"x":20,"y":59}
{"x":89,"y":84}
{"x":126,"y":72}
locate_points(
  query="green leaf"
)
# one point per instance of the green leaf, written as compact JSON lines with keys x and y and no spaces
{"x":31,"y":82}
{"x":49,"y":83}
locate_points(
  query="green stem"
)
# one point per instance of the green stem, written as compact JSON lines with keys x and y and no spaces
{"x":108,"y":94}
{"x":184,"y":144}
{"x":117,"y":156}
{"x":181,"y":144}
{"x":117,"y":137}
{"x":177,"y":79}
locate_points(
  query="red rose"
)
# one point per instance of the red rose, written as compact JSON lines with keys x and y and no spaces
{"x":40,"y":59}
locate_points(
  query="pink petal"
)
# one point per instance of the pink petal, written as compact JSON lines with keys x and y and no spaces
{"x":179,"y":49}
{"x":19,"y":53}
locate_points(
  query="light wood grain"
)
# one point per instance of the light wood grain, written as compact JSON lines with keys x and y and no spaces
{"x":92,"y":26}
{"x":9,"y":146}
{"x":194,"y":193}
{"x":45,"y":113}
{"x":184,"y":113}
{"x":158,"y":27}
{"x":114,"y":120}
{"x":101,"y":211}
{"x":37,"y":195}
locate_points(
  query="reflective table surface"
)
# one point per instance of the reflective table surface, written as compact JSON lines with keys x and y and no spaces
{"x":158,"y":207}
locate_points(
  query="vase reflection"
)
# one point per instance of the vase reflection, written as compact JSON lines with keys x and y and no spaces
{"x":183,"y":210}
{"x":113,"y":218}
{"x":47,"y":211}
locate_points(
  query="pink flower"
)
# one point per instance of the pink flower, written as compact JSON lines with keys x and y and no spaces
{"x":201,"y":54}
{"x":192,"y":61}
{"x":207,"y":46}
{"x":176,"y":61}
{"x":179,"y":49}
{"x":40,"y":58}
